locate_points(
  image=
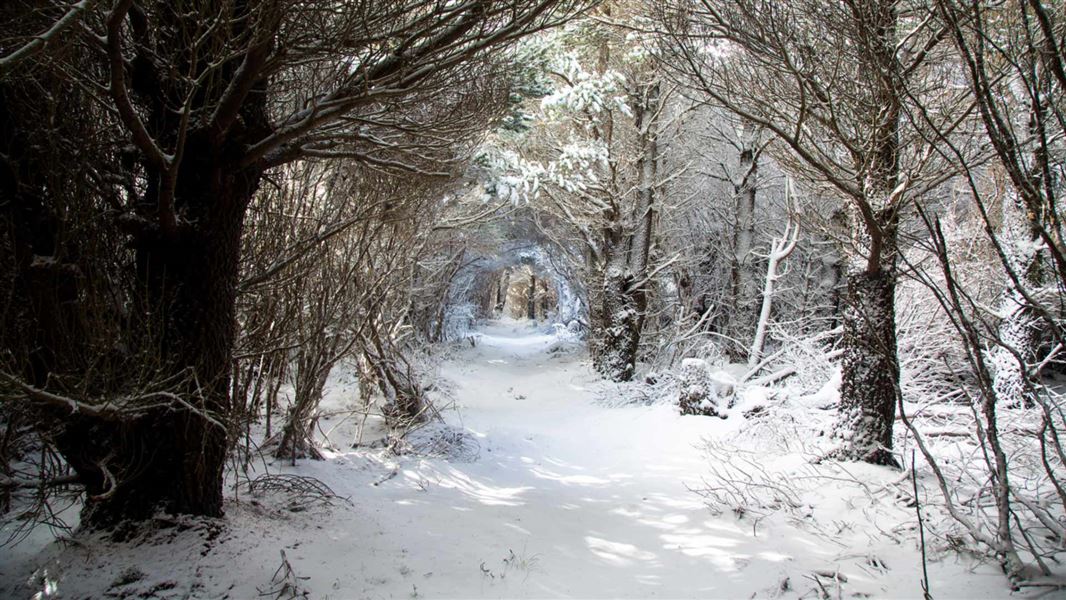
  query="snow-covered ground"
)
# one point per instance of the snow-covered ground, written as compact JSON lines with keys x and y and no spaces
{"x":550,"y":490}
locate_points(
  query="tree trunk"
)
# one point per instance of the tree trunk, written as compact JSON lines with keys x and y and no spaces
{"x":399,"y":385}
{"x":1019,"y":332}
{"x":175,"y":459}
{"x":870,"y":370}
{"x":780,"y":250}
{"x":545,"y":299}
{"x":503,"y":285}
{"x":315,"y":362}
{"x":531,"y":300}
{"x":627,"y":257}
{"x":1018,"y":336}
{"x":743,"y":280}
{"x":620,"y":338}
{"x":870,"y":367}
{"x":831,"y":275}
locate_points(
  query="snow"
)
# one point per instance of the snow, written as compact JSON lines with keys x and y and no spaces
{"x":556,"y":494}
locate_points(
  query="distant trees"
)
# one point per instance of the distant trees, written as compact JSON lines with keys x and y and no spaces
{"x":593,"y":164}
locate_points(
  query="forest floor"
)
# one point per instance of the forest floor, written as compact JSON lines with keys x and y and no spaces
{"x":545,"y":482}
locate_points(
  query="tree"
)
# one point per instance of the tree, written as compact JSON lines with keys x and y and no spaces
{"x":743,"y":286}
{"x":829,"y":83}
{"x":780,"y":250}
{"x":593,"y":163}
{"x":1015,"y":72}
{"x":206,"y":97}
{"x":1013,"y":60}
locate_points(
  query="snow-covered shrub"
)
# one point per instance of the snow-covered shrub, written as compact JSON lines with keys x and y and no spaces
{"x":651,"y":389}
{"x":740,"y":482}
{"x":931,"y":359}
{"x":293,"y":492}
{"x":996,"y":467}
{"x":444,"y":441}
{"x":698,"y":390}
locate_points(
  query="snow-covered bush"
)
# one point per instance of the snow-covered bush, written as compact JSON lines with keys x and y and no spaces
{"x":698,"y":394}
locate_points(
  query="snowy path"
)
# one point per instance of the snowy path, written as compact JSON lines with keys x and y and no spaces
{"x":566,"y":498}
{"x":592,"y":499}
{"x":570,"y":498}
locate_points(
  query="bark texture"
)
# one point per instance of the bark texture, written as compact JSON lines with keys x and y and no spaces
{"x":623,"y":309}
{"x":744,"y":289}
{"x":189,"y":275}
{"x":626,"y":254}
{"x":870,"y":371}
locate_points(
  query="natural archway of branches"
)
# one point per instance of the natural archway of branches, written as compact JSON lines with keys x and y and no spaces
{"x":259,"y":256}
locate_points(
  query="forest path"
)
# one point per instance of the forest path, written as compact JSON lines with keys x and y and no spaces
{"x":568,"y":498}
{"x":553,"y":493}
{"x":574,"y":496}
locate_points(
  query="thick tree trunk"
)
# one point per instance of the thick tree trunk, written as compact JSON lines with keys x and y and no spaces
{"x":620,"y":338}
{"x":870,"y":370}
{"x":175,"y":460}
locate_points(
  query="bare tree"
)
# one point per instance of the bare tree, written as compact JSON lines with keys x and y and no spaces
{"x":828,"y":83}
{"x":780,"y":249}
{"x":1013,"y":65}
{"x":1013,"y":61}
{"x":743,"y":285}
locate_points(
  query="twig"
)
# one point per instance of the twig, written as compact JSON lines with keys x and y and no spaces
{"x":921,"y":529}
